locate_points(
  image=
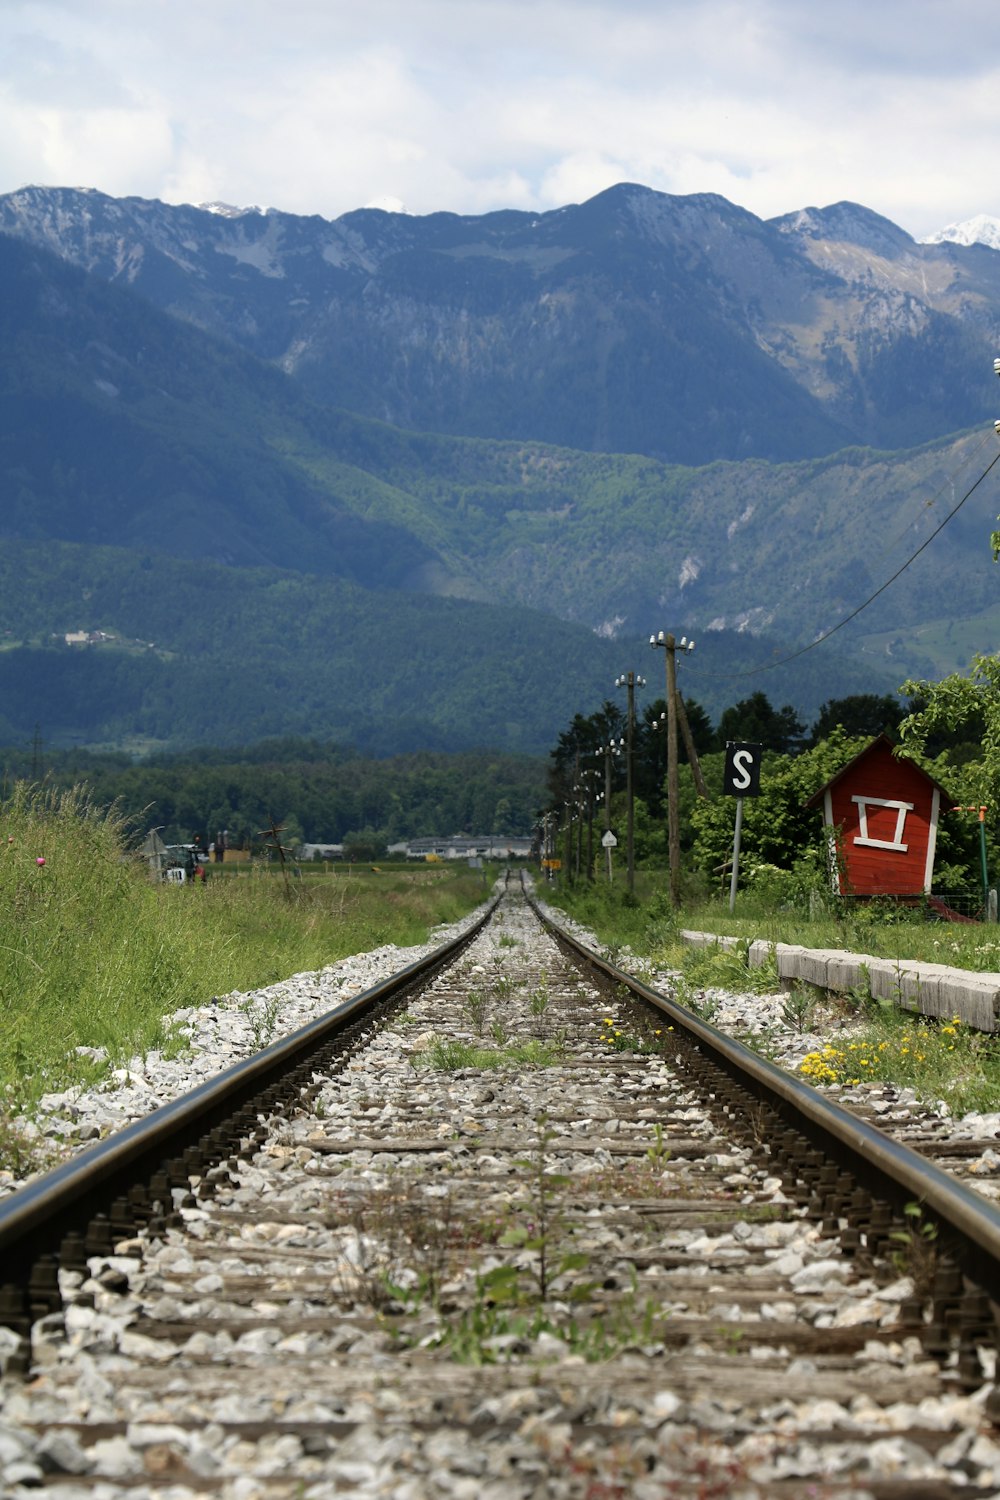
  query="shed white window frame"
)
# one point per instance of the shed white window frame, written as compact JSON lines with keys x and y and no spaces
{"x":862,"y":838}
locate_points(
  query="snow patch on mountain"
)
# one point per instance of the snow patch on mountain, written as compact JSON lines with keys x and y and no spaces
{"x":690,"y":568}
{"x":229,"y":210}
{"x":388,"y":204}
{"x":610,"y":629}
{"x":741,"y":520}
{"x":982,"y":229}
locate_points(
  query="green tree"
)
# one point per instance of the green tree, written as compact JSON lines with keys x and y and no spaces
{"x":862,"y":713}
{"x":755,"y":719}
{"x":363,"y":844}
{"x":949,"y":709}
{"x":777,"y":828}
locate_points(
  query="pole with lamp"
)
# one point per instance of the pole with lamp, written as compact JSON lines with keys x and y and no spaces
{"x":664,"y":640}
{"x":609,"y":751}
{"x":630,"y":681}
{"x":579,"y":808}
{"x":550,"y":829}
{"x":588,"y":777}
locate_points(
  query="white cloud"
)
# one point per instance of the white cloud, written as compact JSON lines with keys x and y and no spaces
{"x":320,"y":106}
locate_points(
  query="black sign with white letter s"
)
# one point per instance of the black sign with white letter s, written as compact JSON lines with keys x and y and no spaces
{"x":742,"y":774}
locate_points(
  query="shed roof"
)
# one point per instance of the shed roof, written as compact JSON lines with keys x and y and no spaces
{"x":880,"y":742}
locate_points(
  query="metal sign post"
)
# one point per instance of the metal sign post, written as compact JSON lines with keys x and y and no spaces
{"x":982,"y":854}
{"x":741,"y":778}
{"x":609,"y":842}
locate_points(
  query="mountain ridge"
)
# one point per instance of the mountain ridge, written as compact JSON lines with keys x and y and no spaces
{"x":685,"y":328}
{"x":125,"y":424}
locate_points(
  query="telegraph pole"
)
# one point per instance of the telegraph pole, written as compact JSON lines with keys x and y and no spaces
{"x":670,"y":647}
{"x":630,"y":681}
{"x":608,"y":751}
{"x":588,"y":777}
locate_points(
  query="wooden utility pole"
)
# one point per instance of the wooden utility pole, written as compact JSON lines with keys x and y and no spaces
{"x":669,"y":645}
{"x":630,"y":681}
{"x":608,"y":751}
{"x":673,"y":819}
{"x":692,"y":754}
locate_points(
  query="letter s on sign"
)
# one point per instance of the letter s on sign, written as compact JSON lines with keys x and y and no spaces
{"x":742,"y":775}
{"x":742,"y":769}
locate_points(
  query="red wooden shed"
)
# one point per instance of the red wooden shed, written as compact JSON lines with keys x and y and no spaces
{"x":884,"y":809}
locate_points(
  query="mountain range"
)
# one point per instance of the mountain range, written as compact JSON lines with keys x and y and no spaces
{"x":637,"y":413}
{"x":684,"y":328}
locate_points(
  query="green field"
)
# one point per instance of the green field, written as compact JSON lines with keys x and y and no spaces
{"x":95,"y":955}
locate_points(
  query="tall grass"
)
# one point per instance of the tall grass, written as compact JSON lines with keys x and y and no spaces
{"x":95,"y":956}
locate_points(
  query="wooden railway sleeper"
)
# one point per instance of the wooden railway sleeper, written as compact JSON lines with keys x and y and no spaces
{"x":72,"y":1252}
{"x":97,"y":1238}
{"x":14,"y":1313}
{"x":977,"y":1328}
{"x":43,"y":1288}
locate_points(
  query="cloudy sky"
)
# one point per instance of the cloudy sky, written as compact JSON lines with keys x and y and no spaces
{"x":321,"y":106}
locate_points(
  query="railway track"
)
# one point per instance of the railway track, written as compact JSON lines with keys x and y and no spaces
{"x":522,"y":1231}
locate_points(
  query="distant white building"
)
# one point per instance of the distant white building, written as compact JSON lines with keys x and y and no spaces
{"x":455,"y":846}
{"x":476,"y":846}
{"x":320,"y":851}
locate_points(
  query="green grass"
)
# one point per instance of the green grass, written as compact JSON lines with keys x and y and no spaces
{"x":940,"y":1061}
{"x":94,"y":955}
{"x":448,"y":1055}
{"x":947,"y":1061}
{"x":880,"y":928}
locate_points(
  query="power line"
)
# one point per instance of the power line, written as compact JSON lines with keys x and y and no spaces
{"x":928,"y":505}
{"x":782,"y":660}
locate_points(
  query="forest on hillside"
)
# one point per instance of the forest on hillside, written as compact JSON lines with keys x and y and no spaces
{"x":319,"y":793}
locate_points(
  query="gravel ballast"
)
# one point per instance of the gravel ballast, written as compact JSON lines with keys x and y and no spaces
{"x":548,"y":1426}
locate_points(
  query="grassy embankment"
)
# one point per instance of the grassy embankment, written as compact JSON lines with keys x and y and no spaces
{"x":941,"y":1061}
{"x":93,"y":955}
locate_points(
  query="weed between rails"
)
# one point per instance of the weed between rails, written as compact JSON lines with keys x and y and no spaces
{"x":482,"y":1003}
{"x":617,"y":1040}
{"x":503,"y":1324}
{"x":411,"y":1259}
{"x":916,"y":1253}
{"x":448,"y":1055}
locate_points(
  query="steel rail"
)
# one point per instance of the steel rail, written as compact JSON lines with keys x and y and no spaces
{"x":887,"y":1168}
{"x":34,"y":1219}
